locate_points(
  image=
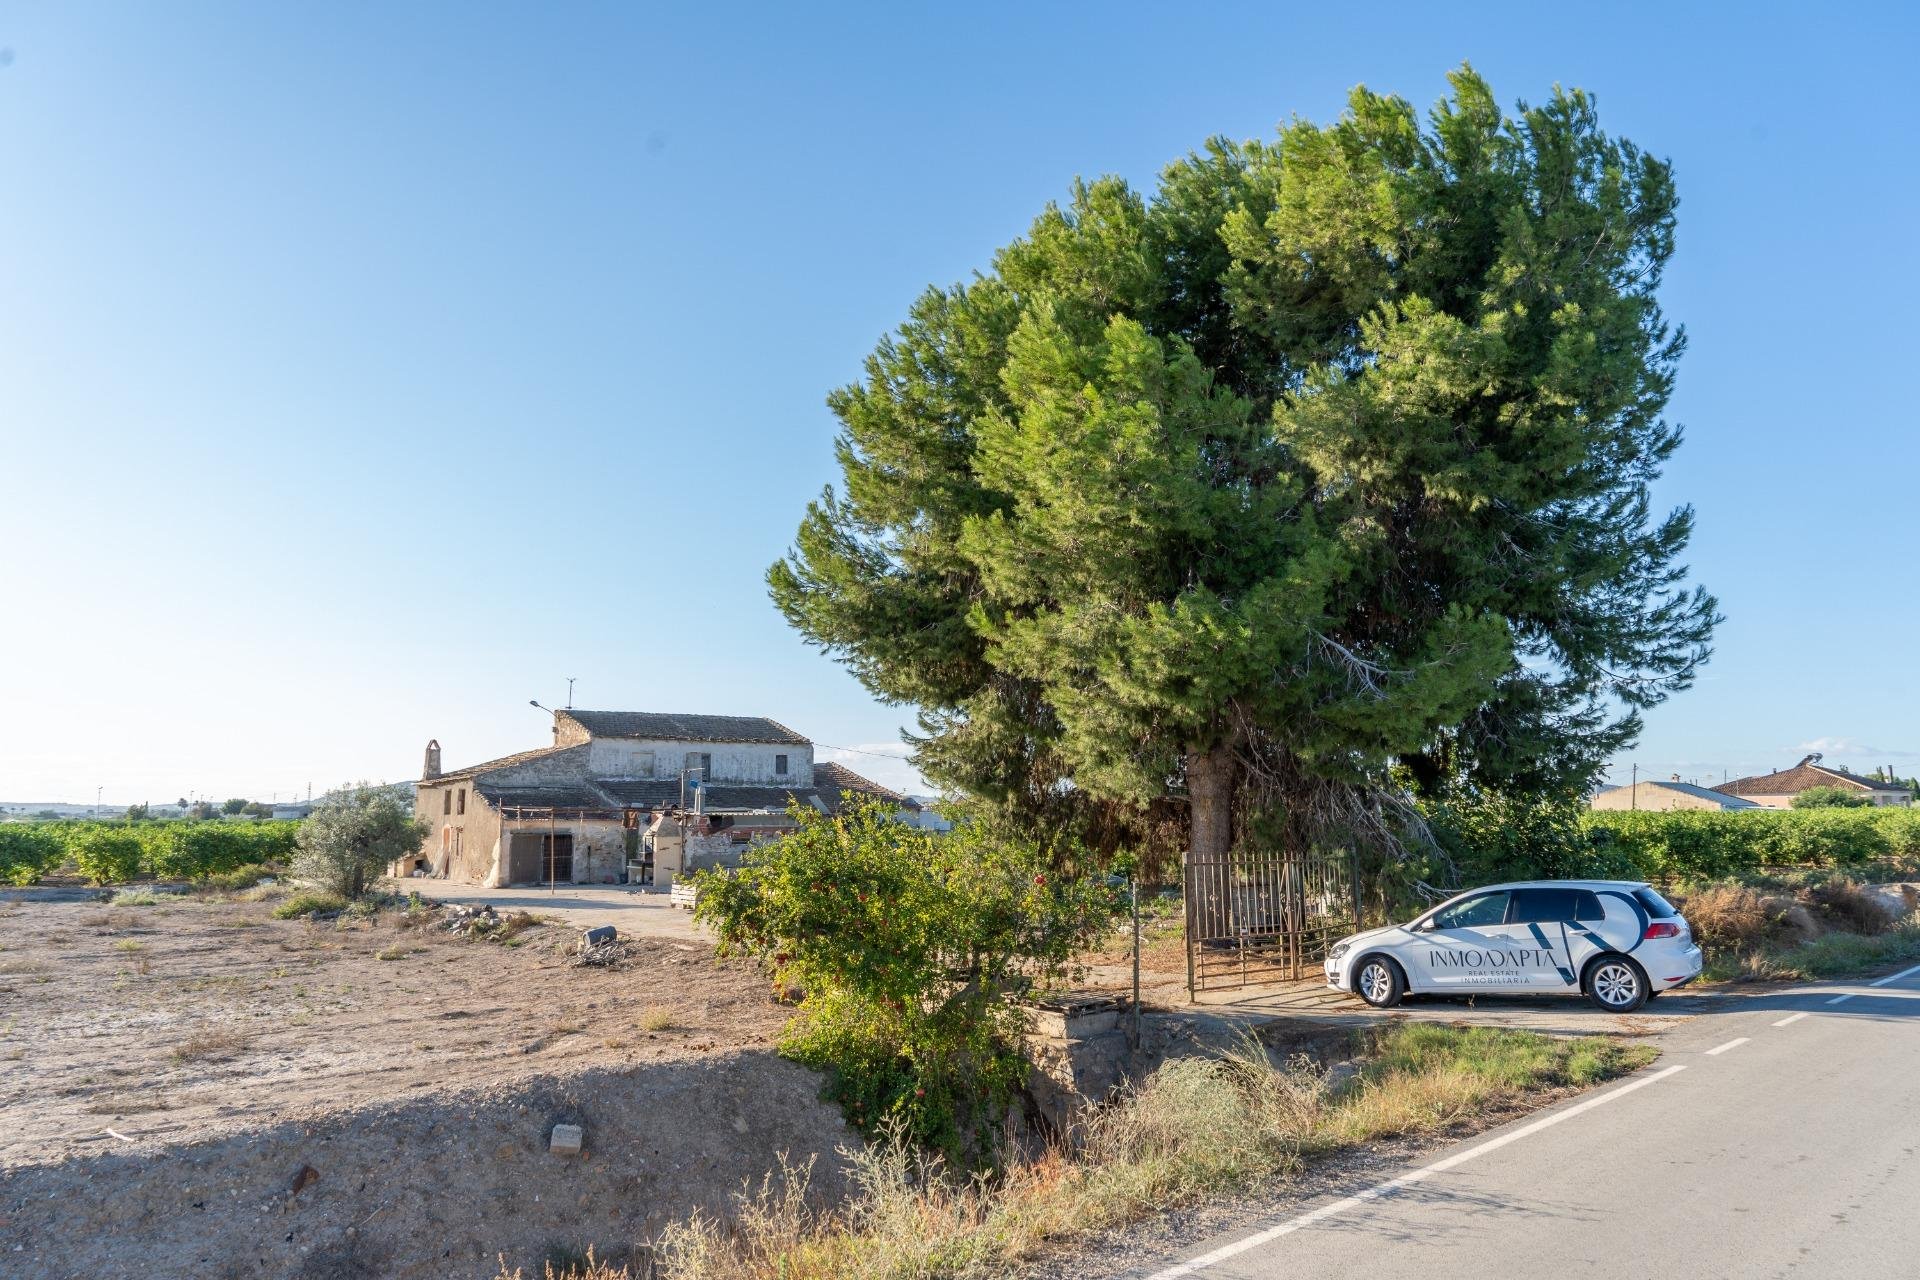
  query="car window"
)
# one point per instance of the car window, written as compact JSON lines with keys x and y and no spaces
{"x":1554,"y":906}
{"x":1473,"y":913}
{"x":1657,"y":907}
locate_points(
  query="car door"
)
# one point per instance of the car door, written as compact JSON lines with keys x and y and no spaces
{"x":1549,"y":931}
{"x":1463,"y":945}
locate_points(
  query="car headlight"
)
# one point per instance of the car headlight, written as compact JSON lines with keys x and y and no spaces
{"x":1339,"y":949}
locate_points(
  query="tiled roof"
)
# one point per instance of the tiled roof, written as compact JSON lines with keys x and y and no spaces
{"x":553,"y":797}
{"x":518,"y":757}
{"x":683,"y":728}
{"x":837,"y":778}
{"x":1788,"y":782}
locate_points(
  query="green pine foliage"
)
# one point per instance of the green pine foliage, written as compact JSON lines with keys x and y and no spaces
{"x":1330,"y":453}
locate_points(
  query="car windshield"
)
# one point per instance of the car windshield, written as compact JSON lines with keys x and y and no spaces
{"x":1476,"y":912}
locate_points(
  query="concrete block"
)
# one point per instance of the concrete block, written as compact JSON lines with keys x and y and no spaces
{"x":567,"y":1140}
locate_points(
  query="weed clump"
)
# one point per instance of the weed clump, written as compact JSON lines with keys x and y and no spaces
{"x":311,"y":903}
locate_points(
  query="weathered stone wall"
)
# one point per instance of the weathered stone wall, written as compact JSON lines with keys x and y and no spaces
{"x":459,"y":845}
{"x":735,"y":762}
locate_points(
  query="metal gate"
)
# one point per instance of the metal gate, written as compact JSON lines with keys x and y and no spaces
{"x":1255,"y":916}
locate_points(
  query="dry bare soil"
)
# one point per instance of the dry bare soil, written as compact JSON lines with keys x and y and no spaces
{"x":195,"y":1088}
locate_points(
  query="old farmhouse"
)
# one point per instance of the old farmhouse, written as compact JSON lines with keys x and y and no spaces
{"x":624,"y":797}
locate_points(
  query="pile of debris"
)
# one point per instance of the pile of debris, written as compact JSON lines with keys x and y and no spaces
{"x":471,"y":921}
{"x":601,"y":948}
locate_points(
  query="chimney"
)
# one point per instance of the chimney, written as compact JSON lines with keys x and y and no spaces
{"x":431,"y":768}
{"x":1676,"y":777}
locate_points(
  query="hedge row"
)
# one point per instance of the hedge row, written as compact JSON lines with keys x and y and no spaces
{"x":1684,"y":845}
{"x":115,"y":852}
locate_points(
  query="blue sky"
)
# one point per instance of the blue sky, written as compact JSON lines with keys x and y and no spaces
{"x":368,"y":370}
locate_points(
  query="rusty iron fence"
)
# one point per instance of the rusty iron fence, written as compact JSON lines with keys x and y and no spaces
{"x":1259,"y":916}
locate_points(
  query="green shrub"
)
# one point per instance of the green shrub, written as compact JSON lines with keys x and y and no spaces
{"x":311,"y":902}
{"x":107,"y":855}
{"x":910,"y":947}
{"x":168,"y":850}
{"x":1491,"y":836}
{"x":1694,"y":847}
{"x":244,"y":877}
{"x":26,"y":851}
{"x":199,"y":850}
{"x":1830,"y":798}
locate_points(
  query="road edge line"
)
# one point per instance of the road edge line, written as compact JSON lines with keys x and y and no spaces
{"x":1307,"y":1219}
{"x":1892,"y":978}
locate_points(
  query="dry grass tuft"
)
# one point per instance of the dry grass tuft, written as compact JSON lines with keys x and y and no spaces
{"x":1729,"y":915}
{"x":216,"y":1044}
{"x":1847,"y":905}
{"x":658,"y":1017}
{"x":586,"y":1267}
{"x":514,"y":924}
{"x":1193,"y":1128}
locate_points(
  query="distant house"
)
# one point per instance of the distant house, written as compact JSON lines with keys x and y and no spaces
{"x":1776,"y":790}
{"x":624,"y":796}
{"x":1670,"y":794}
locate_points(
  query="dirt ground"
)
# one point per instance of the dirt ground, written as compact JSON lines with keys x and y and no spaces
{"x":167,"y":1072}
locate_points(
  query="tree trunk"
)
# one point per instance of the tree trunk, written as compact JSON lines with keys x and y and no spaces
{"x":1210,"y":777}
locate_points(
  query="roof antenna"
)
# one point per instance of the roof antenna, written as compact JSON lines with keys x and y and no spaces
{"x":570,"y":680}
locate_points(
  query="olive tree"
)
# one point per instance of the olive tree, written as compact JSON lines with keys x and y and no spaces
{"x":351,"y":836}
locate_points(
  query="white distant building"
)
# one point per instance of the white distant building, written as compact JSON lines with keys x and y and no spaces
{"x":1670,"y":794}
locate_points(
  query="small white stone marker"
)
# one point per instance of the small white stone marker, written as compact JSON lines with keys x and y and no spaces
{"x":566,"y":1140}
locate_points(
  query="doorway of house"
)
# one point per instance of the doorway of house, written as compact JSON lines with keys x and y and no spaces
{"x":534,"y":857}
{"x":556,"y":857}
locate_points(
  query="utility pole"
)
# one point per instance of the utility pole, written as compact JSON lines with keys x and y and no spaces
{"x":1633,"y":791}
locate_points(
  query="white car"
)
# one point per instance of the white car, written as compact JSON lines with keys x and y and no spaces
{"x":1617,"y":942}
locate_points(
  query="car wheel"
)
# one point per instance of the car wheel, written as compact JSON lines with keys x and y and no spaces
{"x":1616,"y":984}
{"x":1378,"y":982}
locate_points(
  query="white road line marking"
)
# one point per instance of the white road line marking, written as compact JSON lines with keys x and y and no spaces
{"x":1838,"y":999}
{"x":1904,"y":973}
{"x":1731,"y":1044}
{"x":1789,"y":1020}
{"x":1326,"y":1211}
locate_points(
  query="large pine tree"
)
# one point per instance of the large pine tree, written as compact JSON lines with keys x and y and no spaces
{"x":1331,"y":455}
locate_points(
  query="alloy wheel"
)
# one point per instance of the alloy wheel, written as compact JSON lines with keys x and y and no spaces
{"x":1616,"y":984}
{"x":1375,"y":982}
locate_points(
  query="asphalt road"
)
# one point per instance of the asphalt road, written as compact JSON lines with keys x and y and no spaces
{"x":1778,"y":1138}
